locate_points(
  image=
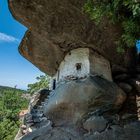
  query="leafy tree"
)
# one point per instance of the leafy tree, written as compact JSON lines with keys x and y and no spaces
{"x":8,"y":129}
{"x":124,"y":12}
{"x":11,"y":103}
{"x":42,"y":82}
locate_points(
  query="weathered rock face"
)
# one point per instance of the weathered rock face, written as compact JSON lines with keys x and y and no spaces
{"x":115,"y":132}
{"x":84,"y":109}
{"x":55,"y":27}
{"x":73,"y":100}
{"x":78,"y":109}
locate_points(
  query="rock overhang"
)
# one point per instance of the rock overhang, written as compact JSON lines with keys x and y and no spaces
{"x":56,"y":27}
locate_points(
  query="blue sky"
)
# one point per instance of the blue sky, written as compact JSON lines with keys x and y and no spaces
{"x":14,"y":69}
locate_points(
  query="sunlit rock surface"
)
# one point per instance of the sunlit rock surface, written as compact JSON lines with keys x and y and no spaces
{"x":55,"y":27}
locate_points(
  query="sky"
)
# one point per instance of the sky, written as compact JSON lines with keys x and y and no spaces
{"x":14,"y":69}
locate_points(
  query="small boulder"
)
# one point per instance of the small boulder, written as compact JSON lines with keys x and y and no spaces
{"x":95,"y":123}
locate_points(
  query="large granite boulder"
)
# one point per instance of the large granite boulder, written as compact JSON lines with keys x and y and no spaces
{"x":56,"y":27}
{"x":74,"y":100}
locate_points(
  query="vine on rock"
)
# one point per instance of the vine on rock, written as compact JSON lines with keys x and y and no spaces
{"x":124,"y":12}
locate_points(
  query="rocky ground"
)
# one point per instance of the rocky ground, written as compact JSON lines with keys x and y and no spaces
{"x":84,"y":109}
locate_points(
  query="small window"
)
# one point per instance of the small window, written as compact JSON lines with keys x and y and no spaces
{"x":78,"y":66}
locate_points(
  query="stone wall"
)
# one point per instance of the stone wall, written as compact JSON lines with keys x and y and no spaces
{"x":99,"y":65}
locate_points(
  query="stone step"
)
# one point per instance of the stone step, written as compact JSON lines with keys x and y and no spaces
{"x":46,"y":100}
{"x":35,"y":114}
{"x":45,"y":103}
{"x":28,"y":117}
{"x":39,"y":107}
{"x":37,"y":120}
{"x":34,"y":110}
{"x":40,"y":111}
{"x":42,"y":103}
{"x":39,"y":115}
{"x":29,"y":121}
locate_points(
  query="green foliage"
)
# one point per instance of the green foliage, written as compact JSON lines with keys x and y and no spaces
{"x":42,"y":82}
{"x":124,"y":12}
{"x":11,"y":103}
{"x":8,"y":129}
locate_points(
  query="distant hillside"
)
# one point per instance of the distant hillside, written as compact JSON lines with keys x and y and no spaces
{"x":11,"y":88}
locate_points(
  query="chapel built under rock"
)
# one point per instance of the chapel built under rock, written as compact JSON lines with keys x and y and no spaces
{"x":81,"y":63}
